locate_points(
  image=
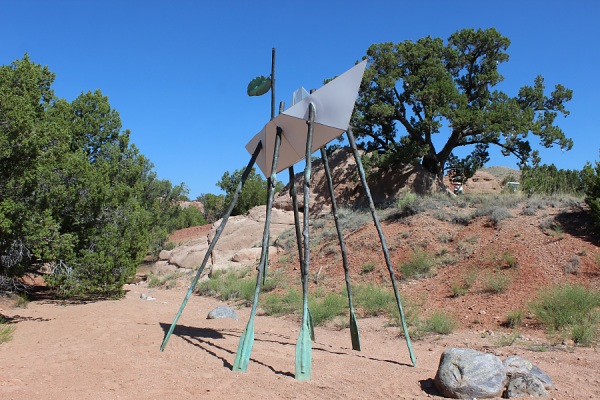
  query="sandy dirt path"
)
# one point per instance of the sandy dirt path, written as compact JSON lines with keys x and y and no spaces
{"x":110,"y":350}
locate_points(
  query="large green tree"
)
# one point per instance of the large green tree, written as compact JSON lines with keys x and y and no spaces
{"x":77,"y":200}
{"x":412,"y":91}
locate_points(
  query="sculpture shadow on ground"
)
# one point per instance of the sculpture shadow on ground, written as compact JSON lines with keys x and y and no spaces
{"x":204,"y":338}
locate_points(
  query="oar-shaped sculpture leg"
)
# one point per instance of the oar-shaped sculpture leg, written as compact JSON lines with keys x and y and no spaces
{"x":244,"y":350}
{"x":386,"y":253}
{"x":213,"y":243}
{"x":299,"y":237}
{"x":354,"y":335}
{"x":304,"y":343}
{"x":296,"y":214}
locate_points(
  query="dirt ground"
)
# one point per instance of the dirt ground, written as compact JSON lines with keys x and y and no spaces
{"x":110,"y":350}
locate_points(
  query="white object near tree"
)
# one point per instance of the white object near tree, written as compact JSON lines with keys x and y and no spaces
{"x":333,"y":102}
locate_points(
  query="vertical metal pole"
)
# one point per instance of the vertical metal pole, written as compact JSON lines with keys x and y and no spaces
{"x":304,"y":343}
{"x":273,"y":83}
{"x":214,"y":242}
{"x":294,"y":197}
{"x":269,"y":182}
{"x":354,"y":335}
{"x":386,"y":253}
{"x":244,"y":350}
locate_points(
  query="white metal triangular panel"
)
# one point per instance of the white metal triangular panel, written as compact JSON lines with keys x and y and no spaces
{"x":334,"y":102}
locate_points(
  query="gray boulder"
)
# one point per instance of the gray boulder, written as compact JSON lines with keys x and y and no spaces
{"x":525,"y":385}
{"x":222,"y":312}
{"x":515,"y":366}
{"x":468,"y":374}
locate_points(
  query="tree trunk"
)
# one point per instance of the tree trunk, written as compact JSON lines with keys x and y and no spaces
{"x":432,"y":164}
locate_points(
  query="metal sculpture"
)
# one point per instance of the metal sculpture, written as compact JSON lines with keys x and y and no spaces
{"x":292,"y":136}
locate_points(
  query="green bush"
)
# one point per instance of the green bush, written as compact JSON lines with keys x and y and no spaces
{"x":420,"y":265}
{"x":571,"y":309}
{"x":368,"y":267}
{"x":327,"y":308}
{"x":547,"y":179}
{"x":352,"y":219}
{"x":514,"y":318}
{"x":77,"y":196}
{"x":373,"y":300}
{"x":459,"y":290}
{"x":236,"y":284}
{"x":510,"y":261}
{"x":168,"y":280}
{"x":497,"y":282}
{"x":440,"y":322}
{"x":592,"y":191}
{"x":289,"y":302}
{"x":6,"y":330}
{"x":254,"y":191}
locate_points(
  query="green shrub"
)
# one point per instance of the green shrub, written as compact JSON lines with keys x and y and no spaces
{"x":509,"y":260}
{"x":352,"y":219}
{"x":280,"y":304}
{"x":327,"y":308}
{"x":368,"y":267}
{"x":547,"y":179}
{"x":592,"y":191}
{"x":585,"y":333}
{"x":468,"y":278}
{"x":287,"y":240}
{"x":373,"y":300}
{"x":408,"y":204}
{"x":496,"y":213}
{"x":6,"y":330}
{"x":572,"y":266}
{"x":461,"y":219}
{"x":504,"y":340}
{"x":459,"y":290}
{"x":170,"y":245}
{"x":497,"y":282}
{"x":21,"y":301}
{"x":565,"y":305}
{"x":514,"y":318}
{"x":420,"y":265}
{"x":254,"y":191}
{"x":168,"y":280}
{"x":235,"y":285}
{"x":440,"y":322}
{"x":445,"y":238}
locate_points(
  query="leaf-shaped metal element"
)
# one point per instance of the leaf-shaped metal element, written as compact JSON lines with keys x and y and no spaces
{"x":242,"y":356}
{"x":304,"y":354}
{"x":259,"y":86}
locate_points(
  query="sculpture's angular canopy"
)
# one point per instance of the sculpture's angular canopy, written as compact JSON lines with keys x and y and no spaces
{"x":333,"y":103}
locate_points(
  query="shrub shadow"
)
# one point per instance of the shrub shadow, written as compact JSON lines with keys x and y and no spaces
{"x":578,"y":222}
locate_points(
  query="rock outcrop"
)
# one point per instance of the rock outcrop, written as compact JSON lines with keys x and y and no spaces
{"x":239,"y":243}
{"x":385,"y":186}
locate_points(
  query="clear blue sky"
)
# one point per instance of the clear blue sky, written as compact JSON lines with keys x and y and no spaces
{"x":177,"y":71}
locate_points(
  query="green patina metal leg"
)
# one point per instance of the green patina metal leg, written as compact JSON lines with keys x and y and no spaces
{"x":296,"y":215}
{"x":213,"y":243}
{"x":244,"y":350}
{"x":386,"y":253}
{"x":354,"y":335}
{"x":304,"y":343}
{"x":299,"y":237}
